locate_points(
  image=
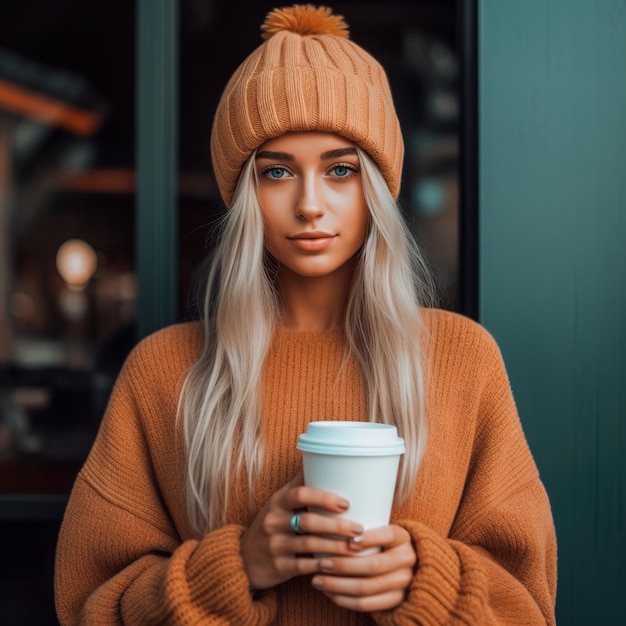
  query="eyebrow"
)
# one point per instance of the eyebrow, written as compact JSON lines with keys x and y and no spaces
{"x":333,"y":154}
{"x":275,"y":156}
{"x":285,"y":156}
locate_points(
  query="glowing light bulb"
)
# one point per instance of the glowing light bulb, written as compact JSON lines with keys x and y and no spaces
{"x":76,"y":262}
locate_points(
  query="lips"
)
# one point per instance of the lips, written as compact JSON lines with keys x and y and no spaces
{"x":312,"y":241}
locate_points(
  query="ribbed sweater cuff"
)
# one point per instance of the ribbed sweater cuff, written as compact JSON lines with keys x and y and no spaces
{"x":217,"y":558}
{"x":447,"y":584}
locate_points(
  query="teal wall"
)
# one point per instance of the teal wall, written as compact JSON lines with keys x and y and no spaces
{"x":552,"y":136}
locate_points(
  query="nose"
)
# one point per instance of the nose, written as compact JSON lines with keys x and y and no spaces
{"x":310,"y":203}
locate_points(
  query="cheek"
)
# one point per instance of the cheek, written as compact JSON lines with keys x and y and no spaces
{"x":275,"y":194}
{"x":271,"y":231}
{"x":361,"y":219}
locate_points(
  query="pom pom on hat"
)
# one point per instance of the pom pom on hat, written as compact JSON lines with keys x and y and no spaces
{"x":306,"y":76}
{"x":304,"y":19}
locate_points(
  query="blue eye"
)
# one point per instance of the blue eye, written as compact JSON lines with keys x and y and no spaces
{"x":341,"y":171}
{"x":275,"y":172}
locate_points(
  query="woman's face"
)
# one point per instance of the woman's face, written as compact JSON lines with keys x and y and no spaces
{"x":311,"y":196}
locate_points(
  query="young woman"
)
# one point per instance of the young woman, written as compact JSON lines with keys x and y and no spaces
{"x":186,"y":509}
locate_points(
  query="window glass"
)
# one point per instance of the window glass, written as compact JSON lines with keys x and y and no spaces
{"x":67,"y":185}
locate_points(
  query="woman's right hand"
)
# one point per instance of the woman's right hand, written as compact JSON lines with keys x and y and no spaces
{"x":272,"y":553}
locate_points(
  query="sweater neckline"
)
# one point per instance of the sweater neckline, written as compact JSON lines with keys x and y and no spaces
{"x":310,"y":336}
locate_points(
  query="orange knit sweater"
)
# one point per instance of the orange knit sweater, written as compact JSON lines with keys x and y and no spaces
{"x":479,"y":516}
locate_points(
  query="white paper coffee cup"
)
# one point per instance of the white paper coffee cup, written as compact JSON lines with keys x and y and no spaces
{"x":356,"y":460}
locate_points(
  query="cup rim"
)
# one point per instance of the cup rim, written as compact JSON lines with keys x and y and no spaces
{"x":370,"y":439}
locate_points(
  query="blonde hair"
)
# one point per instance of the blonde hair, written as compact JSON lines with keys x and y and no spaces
{"x":221,"y":398}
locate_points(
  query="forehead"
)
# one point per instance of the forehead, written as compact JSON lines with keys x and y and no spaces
{"x":303,"y":142}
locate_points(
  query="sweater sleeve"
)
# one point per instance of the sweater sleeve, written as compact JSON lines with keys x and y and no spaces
{"x":119,"y":556}
{"x":498,"y":563}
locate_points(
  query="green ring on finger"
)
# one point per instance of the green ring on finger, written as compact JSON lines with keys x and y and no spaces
{"x":294,"y":522}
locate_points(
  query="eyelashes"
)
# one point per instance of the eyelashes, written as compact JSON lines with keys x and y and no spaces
{"x":347,"y":171}
{"x":340,"y":172}
{"x":275,"y":172}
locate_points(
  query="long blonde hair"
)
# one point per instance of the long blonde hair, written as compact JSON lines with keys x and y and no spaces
{"x":221,"y":396}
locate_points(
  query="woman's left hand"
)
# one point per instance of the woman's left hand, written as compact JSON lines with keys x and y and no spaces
{"x":370,"y":583}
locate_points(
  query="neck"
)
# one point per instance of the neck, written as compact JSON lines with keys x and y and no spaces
{"x":315,"y":303}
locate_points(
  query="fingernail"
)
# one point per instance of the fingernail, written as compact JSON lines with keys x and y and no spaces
{"x":326,"y":565}
{"x":317,"y":582}
{"x":354,"y":544}
{"x":342,"y":503}
{"x":357,"y":529}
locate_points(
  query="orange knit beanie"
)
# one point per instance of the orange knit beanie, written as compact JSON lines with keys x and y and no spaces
{"x":307,"y":75}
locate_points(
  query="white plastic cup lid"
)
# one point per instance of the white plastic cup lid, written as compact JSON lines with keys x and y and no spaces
{"x":351,"y":439}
